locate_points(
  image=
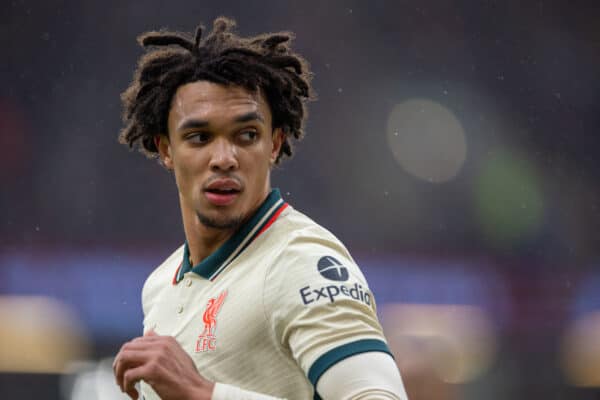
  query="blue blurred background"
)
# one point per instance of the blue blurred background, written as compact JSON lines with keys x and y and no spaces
{"x":453,"y":149}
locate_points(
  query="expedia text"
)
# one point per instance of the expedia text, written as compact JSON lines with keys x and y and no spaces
{"x":331,"y":292}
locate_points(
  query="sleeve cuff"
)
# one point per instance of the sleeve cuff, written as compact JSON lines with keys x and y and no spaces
{"x":327,"y":360}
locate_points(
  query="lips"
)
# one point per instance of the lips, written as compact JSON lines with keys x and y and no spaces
{"x":222,"y":191}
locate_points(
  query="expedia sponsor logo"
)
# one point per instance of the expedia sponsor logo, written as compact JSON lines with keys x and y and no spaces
{"x":332,"y":269}
{"x":332,"y":292}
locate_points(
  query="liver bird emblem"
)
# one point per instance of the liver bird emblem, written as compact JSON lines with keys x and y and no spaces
{"x":210,"y":314}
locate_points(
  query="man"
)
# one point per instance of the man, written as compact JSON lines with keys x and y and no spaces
{"x":260,"y":302}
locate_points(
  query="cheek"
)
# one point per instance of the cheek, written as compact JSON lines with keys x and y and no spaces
{"x":187,"y":169}
{"x":260,"y":164}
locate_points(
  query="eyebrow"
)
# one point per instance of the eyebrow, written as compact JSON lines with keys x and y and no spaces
{"x":193,"y":124}
{"x":251,"y":116}
{"x":200,"y":123}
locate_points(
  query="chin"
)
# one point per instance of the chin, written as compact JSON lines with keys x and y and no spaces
{"x":226,"y":222}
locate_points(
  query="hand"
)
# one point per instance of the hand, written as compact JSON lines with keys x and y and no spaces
{"x":163,"y":364}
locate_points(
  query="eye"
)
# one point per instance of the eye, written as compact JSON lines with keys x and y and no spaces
{"x":248,"y":136}
{"x":198,"y":138}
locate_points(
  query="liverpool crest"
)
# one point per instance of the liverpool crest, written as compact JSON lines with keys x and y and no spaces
{"x":207,"y":340}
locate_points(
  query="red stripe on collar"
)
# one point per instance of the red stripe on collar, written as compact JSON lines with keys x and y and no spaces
{"x":177,"y":273}
{"x":273,"y":218}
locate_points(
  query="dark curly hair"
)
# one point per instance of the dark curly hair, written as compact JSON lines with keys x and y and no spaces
{"x":264,"y":62}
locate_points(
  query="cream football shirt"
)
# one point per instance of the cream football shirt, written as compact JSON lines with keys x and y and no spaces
{"x":271,"y":310}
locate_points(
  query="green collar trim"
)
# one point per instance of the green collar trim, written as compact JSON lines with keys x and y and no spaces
{"x":214,"y":264}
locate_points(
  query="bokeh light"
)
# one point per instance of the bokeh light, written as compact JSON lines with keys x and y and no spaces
{"x":458,"y":342}
{"x":581,"y":351}
{"x":427,"y":140}
{"x":43,"y":335}
{"x":508,"y":198}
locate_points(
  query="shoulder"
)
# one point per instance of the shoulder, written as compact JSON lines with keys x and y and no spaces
{"x":309,"y":248}
{"x":313,"y":269}
{"x":317,"y":300}
{"x":161,"y":277}
{"x":301,"y":225}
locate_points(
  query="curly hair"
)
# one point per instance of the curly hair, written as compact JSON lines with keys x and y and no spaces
{"x":264,"y":62}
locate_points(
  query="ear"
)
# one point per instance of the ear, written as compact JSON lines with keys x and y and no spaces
{"x":164,"y":150}
{"x":278,"y":137}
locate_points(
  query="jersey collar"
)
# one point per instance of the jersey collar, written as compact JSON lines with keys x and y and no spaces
{"x":214,"y":264}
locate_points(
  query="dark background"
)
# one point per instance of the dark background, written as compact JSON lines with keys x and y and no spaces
{"x":512,"y":232}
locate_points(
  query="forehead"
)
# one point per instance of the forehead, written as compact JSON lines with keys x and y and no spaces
{"x":214,"y":102}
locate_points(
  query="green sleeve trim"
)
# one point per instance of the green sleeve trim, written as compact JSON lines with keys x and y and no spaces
{"x":336,"y":355}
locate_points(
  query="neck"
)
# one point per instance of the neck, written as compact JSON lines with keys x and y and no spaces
{"x":202,"y":240}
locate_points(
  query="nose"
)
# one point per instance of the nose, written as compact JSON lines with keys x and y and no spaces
{"x":223,"y":156}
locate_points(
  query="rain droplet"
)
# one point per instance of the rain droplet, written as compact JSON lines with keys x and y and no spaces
{"x":37,"y":228}
{"x":340,"y":90}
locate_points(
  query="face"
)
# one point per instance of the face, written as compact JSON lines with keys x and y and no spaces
{"x":221,"y":147}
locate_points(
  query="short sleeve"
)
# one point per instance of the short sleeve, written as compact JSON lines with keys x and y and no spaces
{"x":320,"y":306}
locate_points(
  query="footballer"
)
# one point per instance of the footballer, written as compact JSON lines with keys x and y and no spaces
{"x":259,"y":301}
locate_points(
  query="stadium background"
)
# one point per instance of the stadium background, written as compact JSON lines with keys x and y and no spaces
{"x":453,"y":148}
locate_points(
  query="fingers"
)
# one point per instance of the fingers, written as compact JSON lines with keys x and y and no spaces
{"x":158,"y":360}
{"x":126,"y":360}
{"x":139,"y":352}
{"x":130,"y":378}
{"x":131,"y":355}
{"x":133,"y":393}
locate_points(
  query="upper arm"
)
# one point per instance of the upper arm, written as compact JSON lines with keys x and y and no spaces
{"x":372,"y":375}
{"x":321,"y":308}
